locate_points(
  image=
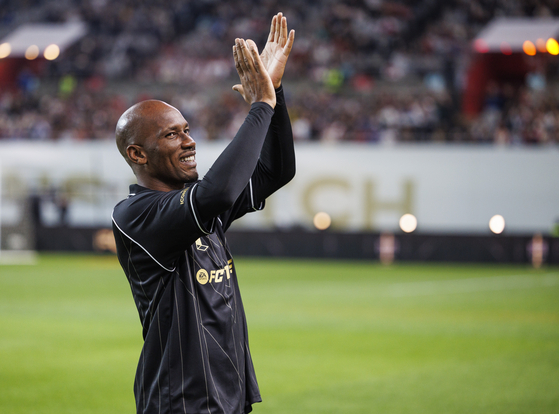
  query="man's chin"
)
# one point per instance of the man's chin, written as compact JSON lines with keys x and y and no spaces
{"x":192,"y":179}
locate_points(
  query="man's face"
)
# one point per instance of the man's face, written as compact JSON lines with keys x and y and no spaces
{"x":169,"y":149}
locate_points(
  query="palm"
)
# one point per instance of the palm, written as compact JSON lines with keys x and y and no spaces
{"x":274,"y":57}
{"x":277,"y":49}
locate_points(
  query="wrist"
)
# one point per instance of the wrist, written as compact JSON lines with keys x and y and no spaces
{"x":269,"y":105}
{"x":271,"y":102}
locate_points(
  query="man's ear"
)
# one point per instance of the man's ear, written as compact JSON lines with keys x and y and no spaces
{"x":136,"y":154}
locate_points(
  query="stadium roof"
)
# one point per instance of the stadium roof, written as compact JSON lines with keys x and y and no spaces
{"x":514,"y":31}
{"x":43,"y":35}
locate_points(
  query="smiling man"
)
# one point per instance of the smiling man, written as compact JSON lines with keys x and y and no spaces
{"x":170,"y":235}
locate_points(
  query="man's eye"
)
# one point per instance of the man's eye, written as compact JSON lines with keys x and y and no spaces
{"x":171,"y":134}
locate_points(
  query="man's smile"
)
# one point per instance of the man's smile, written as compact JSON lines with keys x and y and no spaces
{"x":187,"y":159}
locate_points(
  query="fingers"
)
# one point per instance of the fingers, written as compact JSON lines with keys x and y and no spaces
{"x":278,"y":29}
{"x":253,"y":49}
{"x":251,"y":58}
{"x":246,"y":57}
{"x":256,"y":84}
{"x":289,"y":43}
{"x":243,"y":60}
{"x":281,"y":32}
{"x":239,"y":88}
{"x":272,"y":34}
{"x":242,"y":70}
{"x":236,"y":60}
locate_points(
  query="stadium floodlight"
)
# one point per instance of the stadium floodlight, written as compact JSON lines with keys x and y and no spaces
{"x":5,"y":50}
{"x":497,"y":224}
{"x":51,"y":52}
{"x":480,"y":46}
{"x":552,"y":46}
{"x":529,"y":48}
{"x":42,"y":35}
{"x":408,"y":223}
{"x":322,"y":220}
{"x":540,"y":44}
{"x":32,"y":52}
{"x":508,"y":34}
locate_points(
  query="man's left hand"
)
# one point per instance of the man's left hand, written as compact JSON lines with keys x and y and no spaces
{"x":277,"y":49}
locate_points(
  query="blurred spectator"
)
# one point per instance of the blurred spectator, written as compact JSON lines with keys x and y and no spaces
{"x":379,"y":71}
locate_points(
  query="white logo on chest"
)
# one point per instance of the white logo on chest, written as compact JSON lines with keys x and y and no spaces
{"x":200,"y":246}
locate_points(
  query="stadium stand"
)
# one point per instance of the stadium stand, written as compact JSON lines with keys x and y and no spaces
{"x":362,"y":70}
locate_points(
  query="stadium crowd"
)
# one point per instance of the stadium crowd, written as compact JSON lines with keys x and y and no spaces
{"x":363,"y":70}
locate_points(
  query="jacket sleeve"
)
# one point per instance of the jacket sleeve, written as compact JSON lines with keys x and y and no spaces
{"x":276,"y":166}
{"x":231,"y":172}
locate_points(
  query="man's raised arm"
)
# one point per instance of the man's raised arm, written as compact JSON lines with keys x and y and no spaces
{"x":231,"y":172}
{"x":276,"y":166}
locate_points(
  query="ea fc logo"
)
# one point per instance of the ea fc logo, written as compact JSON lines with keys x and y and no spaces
{"x":202,"y":276}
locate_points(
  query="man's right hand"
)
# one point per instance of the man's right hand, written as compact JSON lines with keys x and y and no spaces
{"x":256,"y":85}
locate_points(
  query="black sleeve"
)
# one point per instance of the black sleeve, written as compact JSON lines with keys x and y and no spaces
{"x":230,"y":173}
{"x":276,"y":166}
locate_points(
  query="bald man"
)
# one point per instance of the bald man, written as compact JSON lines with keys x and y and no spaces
{"x":170,"y":235}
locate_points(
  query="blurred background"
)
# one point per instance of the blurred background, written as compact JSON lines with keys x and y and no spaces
{"x":425,"y":130}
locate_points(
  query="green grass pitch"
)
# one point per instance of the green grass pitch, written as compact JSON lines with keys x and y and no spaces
{"x":326,"y":337}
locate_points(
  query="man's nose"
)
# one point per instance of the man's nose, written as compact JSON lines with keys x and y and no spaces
{"x":187,"y":140}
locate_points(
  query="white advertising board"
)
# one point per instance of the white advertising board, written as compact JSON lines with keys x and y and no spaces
{"x":449,"y":188}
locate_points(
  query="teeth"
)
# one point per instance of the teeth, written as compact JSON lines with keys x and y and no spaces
{"x":186,"y":159}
